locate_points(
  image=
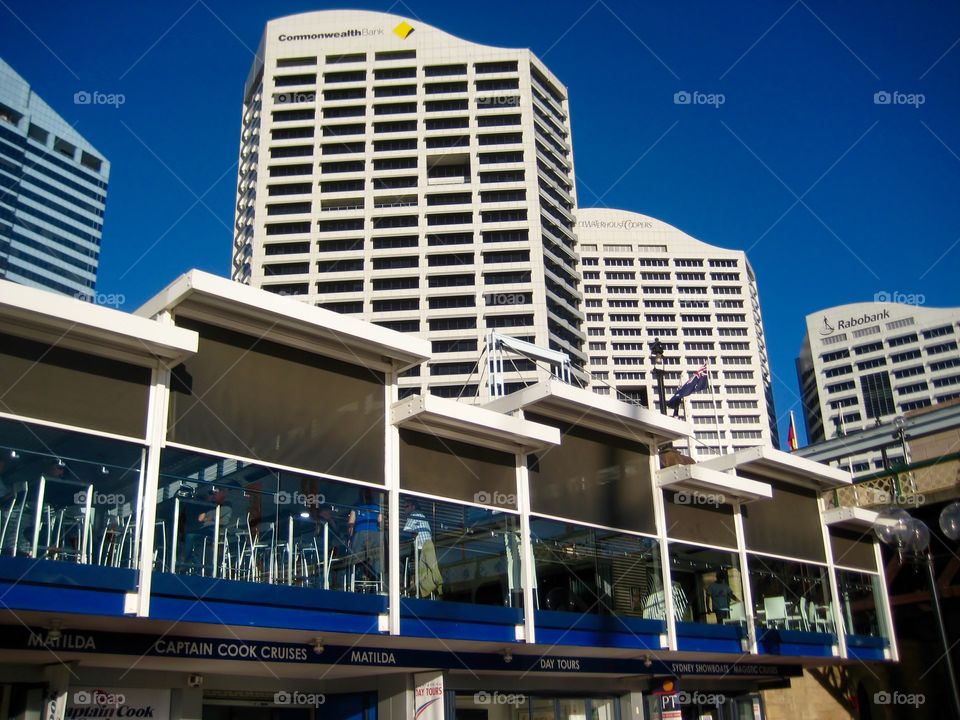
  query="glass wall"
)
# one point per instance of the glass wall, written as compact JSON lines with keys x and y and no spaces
{"x":459,"y":553}
{"x":788,"y":524}
{"x":582,"y":569}
{"x":708,"y":585}
{"x":457,"y":470}
{"x":252,"y":398}
{"x":68,"y":496}
{"x":699,"y":518}
{"x":861,"y":603}
{"x":593,"y":478}
{"x":790,"y":595}
{"x":854,"y":548}
{"x":223,"y":518}
{"x":72,"y":388}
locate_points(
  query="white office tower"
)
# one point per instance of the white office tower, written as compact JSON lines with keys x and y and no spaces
{"x":872,"y":361}
{"x":399,"y":174}
{"x":53,"y":190}
{"x":644,"y":279}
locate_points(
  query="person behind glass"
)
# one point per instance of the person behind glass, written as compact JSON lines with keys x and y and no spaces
{"x":326,"y":516}
{"x":427,"y":571}
{"x":363,"y":535}
{"x":721,"y":594}
{"x":208,"y":522}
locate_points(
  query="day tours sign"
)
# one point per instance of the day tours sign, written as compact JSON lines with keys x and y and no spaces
{"x":428,"y":696}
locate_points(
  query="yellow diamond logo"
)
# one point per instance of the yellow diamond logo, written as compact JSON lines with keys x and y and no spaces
{"x":403,"y":30}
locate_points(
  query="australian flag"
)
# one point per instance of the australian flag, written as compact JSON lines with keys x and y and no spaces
{"x":696,"y":383}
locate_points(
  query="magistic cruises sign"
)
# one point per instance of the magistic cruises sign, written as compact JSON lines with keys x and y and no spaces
{"x":827,"y":328}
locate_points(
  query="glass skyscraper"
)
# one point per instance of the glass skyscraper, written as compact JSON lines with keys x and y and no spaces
{"x":53,"y":187}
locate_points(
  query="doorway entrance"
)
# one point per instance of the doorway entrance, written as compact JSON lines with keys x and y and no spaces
{"x":349,"y":706}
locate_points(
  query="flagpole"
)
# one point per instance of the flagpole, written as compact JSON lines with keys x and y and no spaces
{"x":716,"y":415}
{"x":691,"y":440}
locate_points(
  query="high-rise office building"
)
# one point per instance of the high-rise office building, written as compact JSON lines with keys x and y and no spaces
{"x":645,"y":280}
{"x":399,"y":174}
{"x":53,"y":187}
{"x":868,"y":362}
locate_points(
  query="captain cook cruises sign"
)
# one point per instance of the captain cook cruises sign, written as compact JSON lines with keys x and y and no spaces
{"x":827,"y":329}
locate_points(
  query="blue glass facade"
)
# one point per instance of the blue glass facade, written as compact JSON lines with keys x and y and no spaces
{"x":53,"y":187}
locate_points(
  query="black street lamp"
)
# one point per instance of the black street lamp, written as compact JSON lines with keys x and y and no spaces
{"x":900,"y":434}
{"x":911,"y":539}
{"x":656,"y":357}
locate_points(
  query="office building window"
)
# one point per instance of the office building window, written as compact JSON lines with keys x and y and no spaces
{"x":938,"y":332}
{"x":877,"y":394}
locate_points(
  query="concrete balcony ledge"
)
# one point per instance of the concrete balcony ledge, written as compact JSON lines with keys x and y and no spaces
{"x":702,"y":479}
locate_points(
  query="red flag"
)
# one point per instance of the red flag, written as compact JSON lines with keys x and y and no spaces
{"x":792,"y":443}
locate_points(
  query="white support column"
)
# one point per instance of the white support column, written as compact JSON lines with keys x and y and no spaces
{"x":660,"y":515}
{"x":832,"y":579}
{"x":885,"y":599}
{"x":156,"y":436}
{"x":138,"y":512}
{"x":747,"y":591}
{"x":526,"y":549}
{"x":391,"y":470}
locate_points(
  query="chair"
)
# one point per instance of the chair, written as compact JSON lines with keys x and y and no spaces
{"x":162,"y":550}
{"x":15,"y":511}
{"x":736,"y":614}
{"x":818,"y":616}
{"x":802,"y":616}
{"x":654,"y":607}
{"x":231,"y":565}
{"x":111,"y":546}
{"x":45,"y":532}
{"x":775,"y":610}
{"x":258,"y":544}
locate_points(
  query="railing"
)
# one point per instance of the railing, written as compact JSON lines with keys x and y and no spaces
{"x":912,"y":481}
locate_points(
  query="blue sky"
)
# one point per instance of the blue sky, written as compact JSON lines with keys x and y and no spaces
{"x":835,"y":197}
